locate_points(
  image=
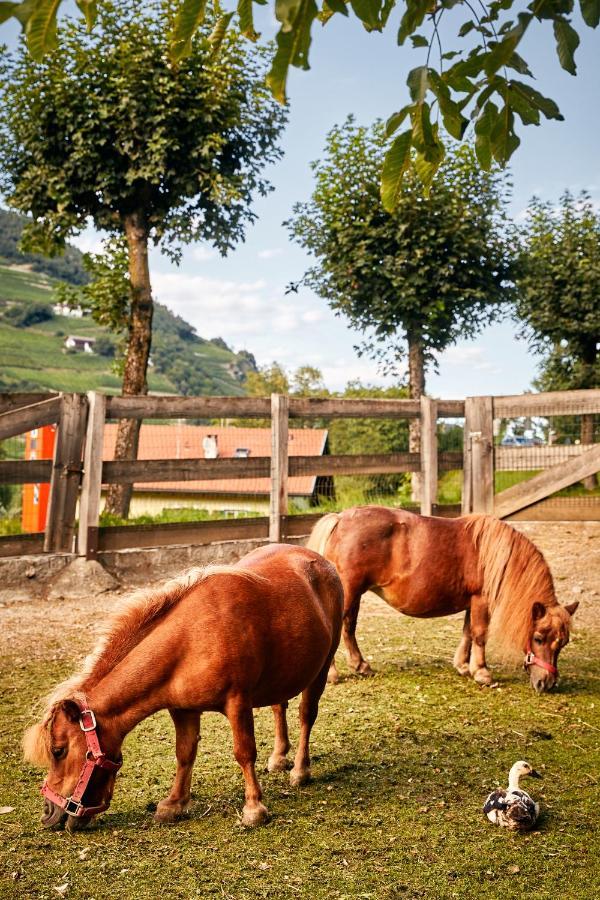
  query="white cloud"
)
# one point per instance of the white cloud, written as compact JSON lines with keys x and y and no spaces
{"x":470,"y":356}
{"x":269,"y":253}
{"x":312,"y":315}
{"x":201,"y":253}
{"x":88,"y":242}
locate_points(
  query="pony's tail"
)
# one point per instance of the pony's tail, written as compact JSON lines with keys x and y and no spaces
{"x":321,"y":533}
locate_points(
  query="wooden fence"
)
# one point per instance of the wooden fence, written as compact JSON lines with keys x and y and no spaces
{"x":77,"y":472}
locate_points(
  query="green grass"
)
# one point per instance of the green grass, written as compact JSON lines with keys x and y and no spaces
{"x":401,"y":765}
{"x":22,"y":285}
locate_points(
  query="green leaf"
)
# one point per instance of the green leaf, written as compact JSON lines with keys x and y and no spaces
{"x":454,"y":121}
{"x":426,"y":172}
{"x":590,"y":11}
{"x":368,"y":13}
{"x":418,"y":83}
{"x":41,"y":28}
{"x":567,"y":42}
{"x":483,"y":130}
{"x":419,"y":40}
{"x":7,"y":10}
{"x":517,"y":63}
{"x":545,"y":105}
{"x":218,"y":33}
{"x":246,"y":20}
{"x":416,"y":10}
{"x":285,"y":12}
{"x":336,"y":6}
{"x":501,"y":52}
{"x":292,"y":48}
{"x":503,"y":139}
{"x":465,"y":28}
{"x":395,"y":121}
{"x":190,"y":16}
{"x":89,"y":8}
{"x":528,"y":113}
{"x":396,"y":161}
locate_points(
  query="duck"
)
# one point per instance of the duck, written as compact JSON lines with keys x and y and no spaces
{"x":513,"y":808}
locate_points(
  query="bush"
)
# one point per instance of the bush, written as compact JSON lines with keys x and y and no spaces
{"x":23,"y":316}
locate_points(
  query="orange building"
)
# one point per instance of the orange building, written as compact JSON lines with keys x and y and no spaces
{"x":39,"y":444}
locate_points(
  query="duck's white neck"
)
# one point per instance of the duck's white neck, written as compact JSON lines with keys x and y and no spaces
{"x":513,"y":778}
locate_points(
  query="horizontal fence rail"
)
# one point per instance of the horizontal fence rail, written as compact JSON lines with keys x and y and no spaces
{"x":78,"y":471}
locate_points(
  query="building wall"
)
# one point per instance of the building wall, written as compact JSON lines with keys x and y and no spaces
{"x":152,"y":504}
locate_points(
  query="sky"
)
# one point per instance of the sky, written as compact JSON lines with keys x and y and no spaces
{"x":241,"y":298}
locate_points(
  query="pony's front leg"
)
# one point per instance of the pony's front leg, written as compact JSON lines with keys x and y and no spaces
{"x":187,"y":735}
{"x":309,"y":708}
{"x":278,"y":761}
{"x":241,"y":719}
{"x":479,"y":629}
{"x":463,"y":651}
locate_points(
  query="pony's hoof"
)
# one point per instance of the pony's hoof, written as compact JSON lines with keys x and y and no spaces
{"x":462,"y":669}
{"x":365,"y":669}
{"x":298,"y":777}
{"x":254,"y":815}
{"x":333,"y":676}
{"x":482,"y":676}
{"x":278,"y":763}
{"x":167,"y":811}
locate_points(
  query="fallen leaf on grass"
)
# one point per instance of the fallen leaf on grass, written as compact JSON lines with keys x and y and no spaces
{"x":62,"y":888}
{"x":6,"y":809}
{"x":514,"y":870}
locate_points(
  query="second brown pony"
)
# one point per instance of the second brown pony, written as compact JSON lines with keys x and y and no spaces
{"x":426,"y":566}
{"x":224,"y":639}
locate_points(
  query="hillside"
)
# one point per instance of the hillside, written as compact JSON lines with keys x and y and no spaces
{"x":32,"y":337}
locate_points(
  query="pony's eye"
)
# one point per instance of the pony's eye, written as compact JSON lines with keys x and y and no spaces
{"x":538,"y":640}
{"x":58,"y":752}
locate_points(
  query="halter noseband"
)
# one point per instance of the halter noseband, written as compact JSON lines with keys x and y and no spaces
{"x":532,"y":660}
{"x":94,"y":758}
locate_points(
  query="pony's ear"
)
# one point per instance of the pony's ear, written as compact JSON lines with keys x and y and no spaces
{"x":538,"y":611}
{"x":571,"y":608}
{"x":70,"y":709}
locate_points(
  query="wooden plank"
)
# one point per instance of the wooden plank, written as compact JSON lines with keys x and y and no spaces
{"x":66,"y":474}
{"x":549,"y":403}
{"x":479,"y":431}
{"x":299,"y":526}
{"x":370,"y":408}
{"x":560,"y":509}
{"x":449,"y":460}
{"x":128,"y":537}
{"x":354,"y":464}
{"x":145,"y":407}
{"x":25,"y":471}
{"x":429,"y":455}
{"x":138,"y":471}
{"x":91,"y":484}
{"x":278,"y":505}
{"x":21,"y":544}
{"x":10,"y":400}
{"x":547,"y":482}
{"x":25,"y":418}
{"x":510,"y":459}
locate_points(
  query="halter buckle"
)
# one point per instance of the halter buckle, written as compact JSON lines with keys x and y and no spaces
{"x":92,"y":719}
{"x":529,"y":659}
{"x":73,"y":807}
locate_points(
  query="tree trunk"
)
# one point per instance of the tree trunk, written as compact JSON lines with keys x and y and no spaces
{"x":586,"y":434}
{"x":138,"y":352}
{"x":416,"y":388}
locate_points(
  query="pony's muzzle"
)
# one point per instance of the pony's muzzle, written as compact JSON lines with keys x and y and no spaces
{"x":53,"y":815}
{"x":541,"y":681}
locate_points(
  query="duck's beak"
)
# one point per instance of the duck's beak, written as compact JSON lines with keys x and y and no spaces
{"x":535,"y":774}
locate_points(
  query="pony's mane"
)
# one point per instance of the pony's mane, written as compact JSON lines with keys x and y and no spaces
{"x":514,"y":574}
{"x":133,"y":617}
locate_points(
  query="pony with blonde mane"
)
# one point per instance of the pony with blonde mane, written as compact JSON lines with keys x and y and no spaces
{"x":224,"y":639}
{"x":426,"y":566}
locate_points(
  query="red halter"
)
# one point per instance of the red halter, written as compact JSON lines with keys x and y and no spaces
{"x":94,"y":758}
{"x":532,"y":660}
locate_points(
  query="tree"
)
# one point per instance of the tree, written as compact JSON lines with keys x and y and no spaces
{"x":109,"y":128}
{"x":558,"y":295}
{"x":435,"y":270}
{"x":473,"y":81}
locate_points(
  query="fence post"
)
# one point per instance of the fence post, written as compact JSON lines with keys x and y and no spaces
{"x":279,"y":465}
{"x":478,"y":486}
{"x":66,"y":474}
{"x":91,"y":485}
{"x":429,"y":455}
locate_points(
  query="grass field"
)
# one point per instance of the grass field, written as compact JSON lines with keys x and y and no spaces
{"x":401,"y":762}
{"x":19,"y":284}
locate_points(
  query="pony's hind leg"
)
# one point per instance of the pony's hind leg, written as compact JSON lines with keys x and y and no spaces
{"x":278,"y":760}
{"x":463,"y":651}
{"x":351,"y":610}
{"x":241,"y":719}
{"x":479,"y":629}
{"x":309,"y":707}
{"x":187,"y":735}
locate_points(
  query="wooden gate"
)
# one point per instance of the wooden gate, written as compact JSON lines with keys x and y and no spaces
{"x":548,"y":467}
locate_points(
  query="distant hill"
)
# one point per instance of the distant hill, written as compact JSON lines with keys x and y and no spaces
{"x":33,"y":355}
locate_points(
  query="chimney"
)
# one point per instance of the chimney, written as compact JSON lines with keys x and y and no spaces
{"x":209,"y":445}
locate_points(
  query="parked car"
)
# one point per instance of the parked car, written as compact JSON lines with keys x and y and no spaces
{"x":512,"y":440}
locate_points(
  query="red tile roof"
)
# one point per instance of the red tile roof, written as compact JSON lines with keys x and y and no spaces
{"x":185,"y":442}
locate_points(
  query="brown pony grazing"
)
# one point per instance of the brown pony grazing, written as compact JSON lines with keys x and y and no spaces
{"x":426,"y":566}
{"x":223,"y":639}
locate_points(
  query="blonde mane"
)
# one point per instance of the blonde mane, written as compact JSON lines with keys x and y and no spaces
{"x":133,"y":617}
{"x":514,"y":575}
